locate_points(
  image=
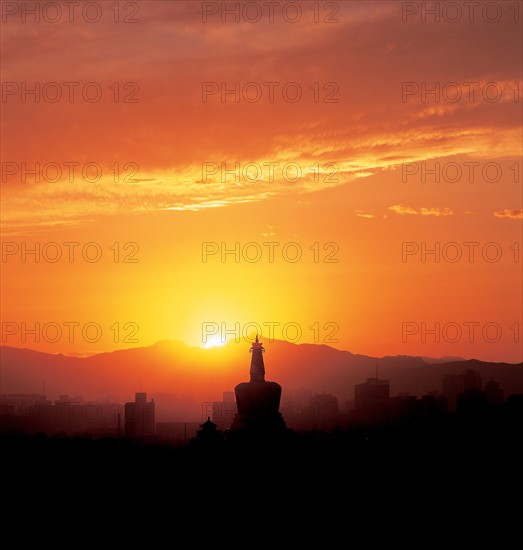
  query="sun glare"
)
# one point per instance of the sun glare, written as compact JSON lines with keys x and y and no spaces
{"x":214,"y":341}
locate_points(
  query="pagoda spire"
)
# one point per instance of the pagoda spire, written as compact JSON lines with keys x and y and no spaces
{"x":257,"y":367}
{"x":258,"y":402}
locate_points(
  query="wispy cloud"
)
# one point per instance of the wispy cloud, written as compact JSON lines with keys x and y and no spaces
{"x":402,"y":209}
{"x":408,"y":210}
{"x":436,"y":212}
{"x":513,"y":214}
{"x":362,"y":214}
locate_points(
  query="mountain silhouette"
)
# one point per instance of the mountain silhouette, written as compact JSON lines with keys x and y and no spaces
{"x":194,"y":375}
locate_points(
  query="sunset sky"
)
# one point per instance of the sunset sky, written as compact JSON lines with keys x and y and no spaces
{"x":364,"y":134}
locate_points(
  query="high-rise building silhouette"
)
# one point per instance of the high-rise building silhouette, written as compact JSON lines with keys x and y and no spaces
{"x":258,"y":401}
{"x":371,"y":390}
{"x":325,"y":410}
{"x":223,"y":412}
{"x":464,"y":391}
{"x":372,"y":401}
{"x":452,"y":386}
{"x":140,"y":417}
{"x":494,"y":392}
{"x":471,"y":380}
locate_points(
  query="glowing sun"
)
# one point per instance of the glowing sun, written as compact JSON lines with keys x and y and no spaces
{"x":213,"y":342}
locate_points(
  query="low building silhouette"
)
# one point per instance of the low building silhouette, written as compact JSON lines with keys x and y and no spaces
{"x":322,"y":413}
{"x":177,"y":433}
{"x":472,"y":403}
{"x":33,"y":413}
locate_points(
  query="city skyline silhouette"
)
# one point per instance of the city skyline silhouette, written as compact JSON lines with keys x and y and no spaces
{"x":255,"y":407}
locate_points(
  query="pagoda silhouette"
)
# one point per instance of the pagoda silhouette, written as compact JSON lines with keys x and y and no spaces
{"x":258,"y":401}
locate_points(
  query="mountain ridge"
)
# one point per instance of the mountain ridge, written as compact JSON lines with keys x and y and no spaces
{"x":170,"y":367}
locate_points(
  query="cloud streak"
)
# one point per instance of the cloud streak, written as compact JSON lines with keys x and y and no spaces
{"x":361,"y":63}
{"x":511,"y":214}
{"x":403,"y":210}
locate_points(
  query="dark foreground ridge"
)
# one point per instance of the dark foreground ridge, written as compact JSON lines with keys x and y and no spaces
{"x":343,"y":456}
{"x":325,"y":481}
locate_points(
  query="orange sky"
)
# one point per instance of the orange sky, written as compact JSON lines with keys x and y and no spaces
{"x":372,"y":63}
